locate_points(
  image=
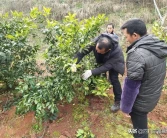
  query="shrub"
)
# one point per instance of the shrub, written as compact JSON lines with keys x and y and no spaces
{"x":16,"y":32}
{"x":37,"y":95}
{"x":42,"y":94}
{"x":160,"y":31}
{"x":66,"y":38}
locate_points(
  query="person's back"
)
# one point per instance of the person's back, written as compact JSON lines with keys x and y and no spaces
{"x":113,"y":58}
{"x":108,"y":53}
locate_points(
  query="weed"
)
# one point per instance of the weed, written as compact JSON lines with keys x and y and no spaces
{"x":37,"y":127}
{"x":56,"y":134}
{"x":85,"y":133}
{"x":79,"y":113}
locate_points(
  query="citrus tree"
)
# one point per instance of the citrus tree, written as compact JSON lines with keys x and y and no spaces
{"x":16,"y":47}
{"x":63,"y":83}
{"x":65,"y":39}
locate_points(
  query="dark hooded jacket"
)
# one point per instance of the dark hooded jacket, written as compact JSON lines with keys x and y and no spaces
{"x":113,"y":59}
{"x":146,"y":61}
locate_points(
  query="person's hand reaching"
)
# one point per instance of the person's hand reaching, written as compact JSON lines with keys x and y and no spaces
{"x":86,"y":74}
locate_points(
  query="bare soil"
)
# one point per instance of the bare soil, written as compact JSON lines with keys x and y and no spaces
{"x":96,"y":115}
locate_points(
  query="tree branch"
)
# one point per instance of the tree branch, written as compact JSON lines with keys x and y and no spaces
{"x":156,"y":7}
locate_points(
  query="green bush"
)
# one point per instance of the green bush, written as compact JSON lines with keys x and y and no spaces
{"x":65,"y":39}
{"x":160,"y":31}
{"x":16,"y":32}
{"x":37,"y":95}
{"x":42,"y":94}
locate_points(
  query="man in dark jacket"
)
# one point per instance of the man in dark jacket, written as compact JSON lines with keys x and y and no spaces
{"x":108,"y":53}
{"x":146,"y":70}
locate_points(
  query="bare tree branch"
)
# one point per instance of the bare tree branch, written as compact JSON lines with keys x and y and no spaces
{"x":156,"y":7}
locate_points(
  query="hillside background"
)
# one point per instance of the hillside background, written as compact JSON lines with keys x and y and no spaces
{"x":118,"y":11}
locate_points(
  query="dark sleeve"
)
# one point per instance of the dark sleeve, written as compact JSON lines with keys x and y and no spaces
{"x":102,"y":69}
{"x":80,"y":55}
{"x":135,"y":66}
{"x":129,"y":93}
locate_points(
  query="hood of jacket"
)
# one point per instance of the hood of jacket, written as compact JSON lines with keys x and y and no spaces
{"x":153,"y":44}
{"x":112,"y":37}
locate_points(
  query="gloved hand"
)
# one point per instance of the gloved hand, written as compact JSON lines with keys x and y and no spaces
{"x":86,"y":74}
{"x":73,"y":68}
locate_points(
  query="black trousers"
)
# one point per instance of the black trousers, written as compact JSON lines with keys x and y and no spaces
{"x":113,"y":76}
{"x":139,"y":121}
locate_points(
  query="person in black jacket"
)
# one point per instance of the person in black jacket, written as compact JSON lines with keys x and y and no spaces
{"x":146,"y":71}
{"x":109,"y":54}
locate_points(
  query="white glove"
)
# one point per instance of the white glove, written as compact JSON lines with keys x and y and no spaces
{"x":86,"y":74}
{"x":73,"y":68}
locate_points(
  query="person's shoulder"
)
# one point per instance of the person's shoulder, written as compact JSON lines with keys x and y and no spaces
{"x":96,"y":39}
{"x":116,"y":36}
{"x":113,"y":37}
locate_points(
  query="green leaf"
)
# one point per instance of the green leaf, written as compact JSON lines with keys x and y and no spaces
{"x":46,"y":11}
{"x":10,"y":37}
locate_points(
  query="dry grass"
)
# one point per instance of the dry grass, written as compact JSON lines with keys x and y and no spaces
{"x":118,"y":11}
{"x":85,"y":8}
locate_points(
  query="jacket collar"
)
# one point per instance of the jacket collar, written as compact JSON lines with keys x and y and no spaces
{"x":133,"y":45}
